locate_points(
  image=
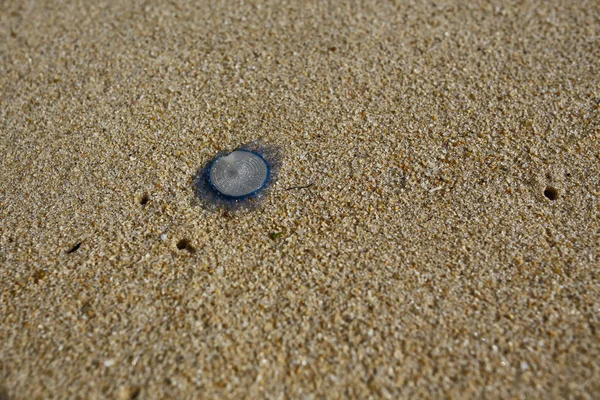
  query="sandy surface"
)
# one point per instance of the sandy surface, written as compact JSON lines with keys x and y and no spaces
{"x":425,"y":261}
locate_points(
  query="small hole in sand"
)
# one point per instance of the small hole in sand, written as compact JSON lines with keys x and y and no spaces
{"x":185,"y":244}
{"x":74,"y":248}
{"x":134,"y":393}
{"x":551,"y":193}
{"x":130,"y":393}
{"x":144,"y":200}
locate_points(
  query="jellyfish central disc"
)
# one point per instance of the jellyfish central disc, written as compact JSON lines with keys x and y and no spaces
{"x":239,"y":173}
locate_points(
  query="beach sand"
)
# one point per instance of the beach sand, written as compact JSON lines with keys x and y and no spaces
{"x":449,"y":246}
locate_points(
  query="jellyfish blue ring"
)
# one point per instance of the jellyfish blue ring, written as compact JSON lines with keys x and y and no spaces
{"x":256,"y":188}
{"x":260,"y":166}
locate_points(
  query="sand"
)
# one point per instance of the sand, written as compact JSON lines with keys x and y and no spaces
{"x":425,"y":261}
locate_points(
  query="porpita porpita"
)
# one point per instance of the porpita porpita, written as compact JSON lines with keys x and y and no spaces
{"x":239,"y":178}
